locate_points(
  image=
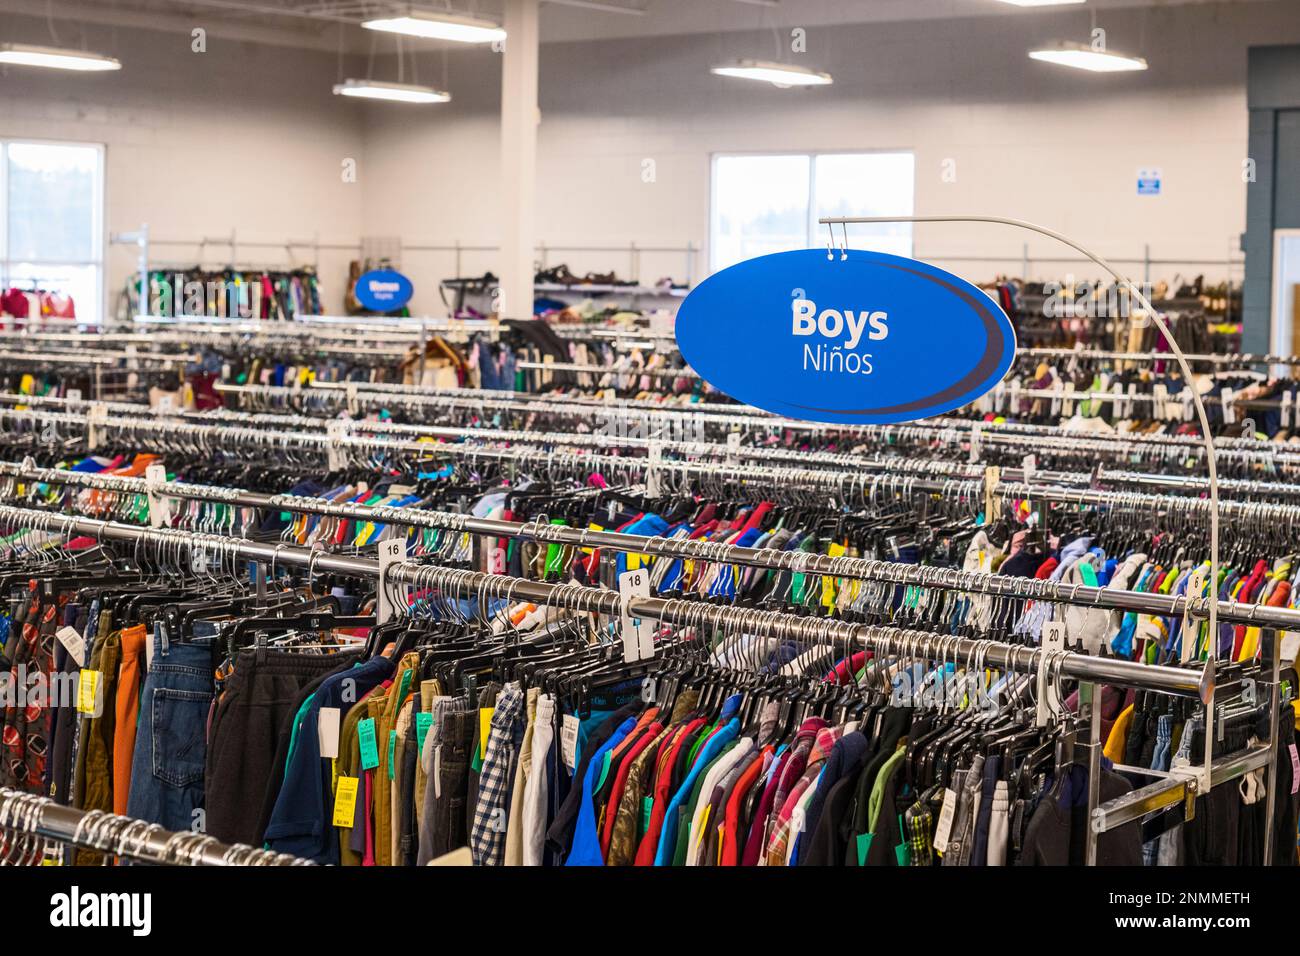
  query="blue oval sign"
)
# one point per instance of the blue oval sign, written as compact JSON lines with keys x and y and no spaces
{"x":384,"y":290}
{"x":871,"y":339}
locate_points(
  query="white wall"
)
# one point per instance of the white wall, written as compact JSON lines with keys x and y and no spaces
{"x":249,"y":137}
{"x":1032,"y":141}
{"x":244,"y":137}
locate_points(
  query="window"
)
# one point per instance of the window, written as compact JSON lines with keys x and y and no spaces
{"x":52,"y":199}
{"x":764,"y":204}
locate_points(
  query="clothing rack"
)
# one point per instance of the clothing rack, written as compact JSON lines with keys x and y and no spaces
{"x":28,"y":821}
{"x":1217,"y":358}
{"x":885,"y":642}
{"x":687,"y":373}
{"x":97,"y":358}
{"x":932,"y":467}
{"x":738,"y":416}
{"x":675,"y":548}
{"x":851,"y":484}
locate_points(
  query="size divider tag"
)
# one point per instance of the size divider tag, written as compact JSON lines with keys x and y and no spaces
{"x":335,"y":433}
{"x":1160,"y":401}
{"x":733,"y":447}
{"x":1067,"y":404}
{"x":73,"y":643}
{"x":976,"y":447}
{"x":654,"y":461}
{"x":1185,"y":396}
{"x":345,"y":802}
{"x":1049,"y":701}
{"x":1227,"y":396}
{"x":160,"y":512}
{"x":1029,"y":464}
{"x":328,"y":727}
{"x":992,"y":475}
{"x":96,"y":416}
{"x":391,"y":551}
{"x":351,"y":392}
{"x":638,"y":632}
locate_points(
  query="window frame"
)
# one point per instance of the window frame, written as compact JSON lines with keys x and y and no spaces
{"x":99,"y":236}
{"x":812,"y":224}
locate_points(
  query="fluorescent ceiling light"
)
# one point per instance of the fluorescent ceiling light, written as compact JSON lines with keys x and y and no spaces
{"x":56,"y":58}
{"x":398,"y":92}
{"x":1041,"y":3}
{"x":1083,"y":57}
{"x":778,"y":74}
{"x":439,"y":26}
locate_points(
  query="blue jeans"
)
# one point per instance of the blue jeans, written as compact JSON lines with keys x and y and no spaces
{"x":1160,"y":760}
{"x":171,"y":737}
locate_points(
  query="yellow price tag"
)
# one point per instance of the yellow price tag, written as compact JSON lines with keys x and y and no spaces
{"x":484,"y":728}
{"x":88,"y":692}
{"x":345,"y":802}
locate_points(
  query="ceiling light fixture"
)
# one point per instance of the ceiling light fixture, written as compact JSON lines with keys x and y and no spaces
{"x":56,"y":58}
{"x":1080,"y":56}
{"x":1041,"y":3}
{"x":778,"y":74}
{"x":397,"y":92}
{"x":439,"y":26}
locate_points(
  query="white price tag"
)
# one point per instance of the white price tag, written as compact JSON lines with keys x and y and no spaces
{"x":946,"y":813}
{"x":74,"y":643}
{"x":638,"y":632}
{"x":569,"y":741}
{"x":199,"y":560}
{"x":73,"y":395}
{"x":328,"y":728}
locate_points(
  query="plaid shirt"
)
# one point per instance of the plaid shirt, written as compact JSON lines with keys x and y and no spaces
{"x":487,"y":838}
{"x":919,"y":824}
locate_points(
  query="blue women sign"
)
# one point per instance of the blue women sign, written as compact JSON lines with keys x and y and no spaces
{"x":870,"y":338}
{"x":384,"y":290}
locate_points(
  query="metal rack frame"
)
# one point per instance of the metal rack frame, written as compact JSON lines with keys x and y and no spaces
{"x":28,"y":820}
{"x":680,"y":548}
{"x":886,"y":642}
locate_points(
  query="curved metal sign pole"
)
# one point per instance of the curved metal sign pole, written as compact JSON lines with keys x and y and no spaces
{"x":1208,"y":674}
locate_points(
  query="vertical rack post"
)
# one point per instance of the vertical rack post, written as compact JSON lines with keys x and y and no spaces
{"x":1090,"y":697}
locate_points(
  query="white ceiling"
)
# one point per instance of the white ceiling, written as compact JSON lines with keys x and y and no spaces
{"x":317,"y":23}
